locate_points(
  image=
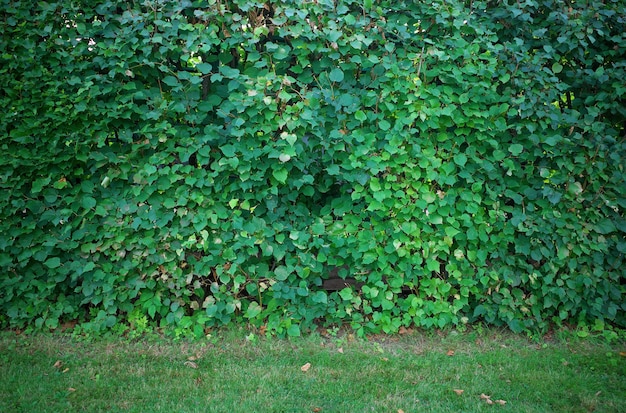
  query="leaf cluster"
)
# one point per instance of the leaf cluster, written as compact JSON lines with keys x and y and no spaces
{"x":207,"y":162}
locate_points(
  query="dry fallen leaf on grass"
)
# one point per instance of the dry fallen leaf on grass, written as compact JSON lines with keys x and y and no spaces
{"x":488,"y":401}
{"x":306,"y":367}
{"x":450,"y":353}
{"x":403,"y":330}
{"x":316,"y":409}
{"x":58,"y":364}
{"x":458,"y":392}
{"x":191,"y":364}
{"x":71,"y":389}
{"x":484,"y":396}
{"x":65,"y":370}
{"x":400,"y":411}
{"x":340,"y":350}
{"x":501,"y":402}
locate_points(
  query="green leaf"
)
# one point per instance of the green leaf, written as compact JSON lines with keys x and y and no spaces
{"x":460,"y":159}
{"x":204,"y":68}
{"x":88,"y":202}
{"x":170,"y":81}
{"x":320,"y":297}
{"x":282,"y":52}
{"x":606,"y":226}
{"x":254,"y":309}
{"x":369,"y":257}
{"x":557,"y":68}
{"x":229,"y":72}
{"x":360,"y":115}
{"x":294,"y":330}
{"x":282,"y":273}
{"x":346,"y":294}
{"x":52,"y":263}
{"x":336,"y":75}
{"x":350,"y":19}
{"x":280,"y":175}
{"x":516,"y":149}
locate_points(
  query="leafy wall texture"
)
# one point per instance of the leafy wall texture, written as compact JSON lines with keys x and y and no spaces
{"x":207,"y":162}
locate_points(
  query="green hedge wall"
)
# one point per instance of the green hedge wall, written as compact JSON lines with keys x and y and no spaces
{"x":200,"y":163}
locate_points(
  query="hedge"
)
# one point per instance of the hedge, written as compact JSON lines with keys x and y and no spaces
{"x":199,"y":163}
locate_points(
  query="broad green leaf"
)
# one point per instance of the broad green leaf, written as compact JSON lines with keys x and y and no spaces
{"x":460,"y":159}
{"x":294,"y":330}
{"x":557,"y":68}
{"x":280,"y":175}
{"x":281,"y":272}
{"x":254,"y":309}
{"x":346,"y":294}
{"x":88,"y":202}
{"x":516,"y":149}
{"x":336,"y":75}
{"x":606,"y":226}
{"x":52,"y":263}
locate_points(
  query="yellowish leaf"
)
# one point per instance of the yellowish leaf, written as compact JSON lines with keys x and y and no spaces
{"x":458,"y":392}
{"x":191,"y":364}
{"x":450,"y":353}
{"x":340,"y":350}
{"x":484,"y":396}
{"x":57,"y":364}
{"x":306,"y":367}
{"x":501,"y":402}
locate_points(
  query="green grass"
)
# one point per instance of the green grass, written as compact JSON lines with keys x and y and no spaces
{"x":229,"y":373}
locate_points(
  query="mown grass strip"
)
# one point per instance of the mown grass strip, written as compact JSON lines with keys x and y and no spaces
{"x":232,"y":373}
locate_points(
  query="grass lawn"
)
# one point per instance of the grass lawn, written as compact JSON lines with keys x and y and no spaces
{"x":228,"y":372}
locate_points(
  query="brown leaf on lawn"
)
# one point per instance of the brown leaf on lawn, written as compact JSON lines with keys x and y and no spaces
{"x":622,"y":353}
{"x":501,"y":402}
{"x":316,"y":409}
{"x":484,"y":396}
{"x":57,"y":364}
{"x":192,"y":358}
{"x":458,"y":392}
{"x":65,"y":370}
{"x":489,"y":401}
{"x":450,"y":353}
{"x":71,"y":389}
{"x":191,"y":364}
{"x":403,"y":330}
{"x":340,"y":350}
{"x":306,"y":367}
{"x":400,"y":411}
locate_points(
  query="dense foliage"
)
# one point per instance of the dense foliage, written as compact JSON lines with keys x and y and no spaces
{"x":204,"y":162}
